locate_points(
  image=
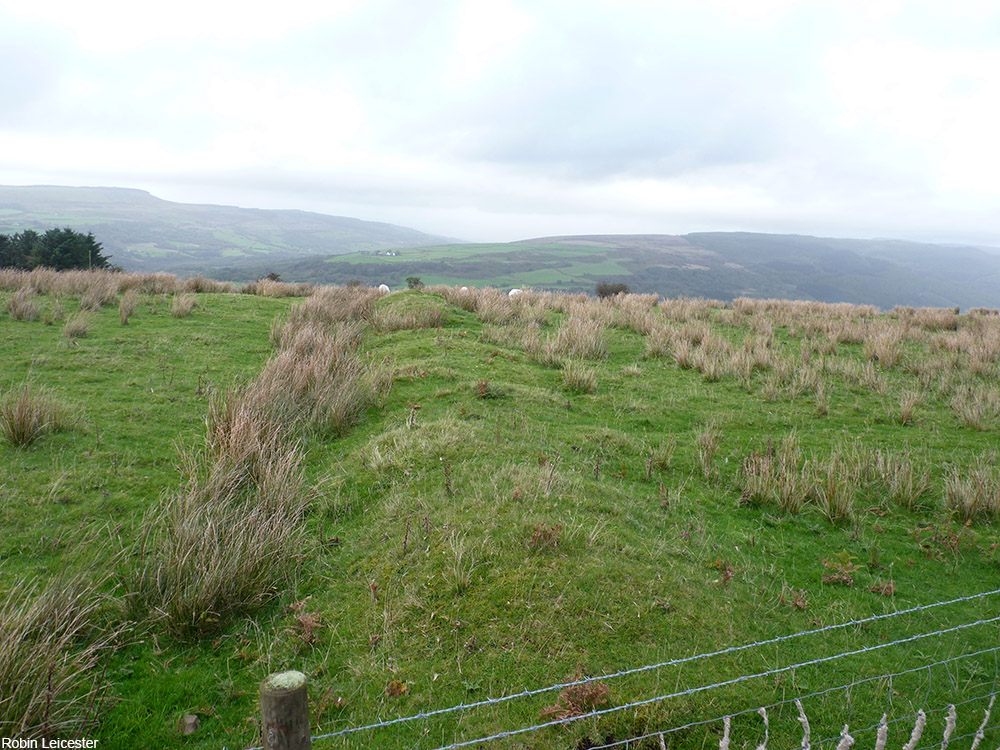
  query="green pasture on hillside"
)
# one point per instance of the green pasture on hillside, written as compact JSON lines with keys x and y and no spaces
{"x":486,"y":529}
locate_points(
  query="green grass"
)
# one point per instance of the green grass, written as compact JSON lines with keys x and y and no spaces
{"x":477,"y":546}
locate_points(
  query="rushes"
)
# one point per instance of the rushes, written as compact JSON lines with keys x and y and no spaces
{"x":316,"y":380}
{"x":836,"y":486}
{"x":974,"y":493}
{"x":28,"y":413}
{"x":24,"y":304}
{"x":223,"y":546}
{"x":582,"y":338}
{"x":231,"y":539}
{"x":77,"y":326}
{"x":976,"y":407}
{"x":183,"y":305}
{"x":908,"y":402}
{"x":707,"y":443}
{"x":49,"y":646}
{"x":905,"y":483}
{"x":578,"y":378}
{"x":127,"y":305}
{"x":882,"y":345}
{"x":389,"y":319}
{"x":775,"y":477}
{"x":227,"y":542}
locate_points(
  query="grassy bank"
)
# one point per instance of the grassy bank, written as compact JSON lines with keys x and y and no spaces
{"x":552,"y":486}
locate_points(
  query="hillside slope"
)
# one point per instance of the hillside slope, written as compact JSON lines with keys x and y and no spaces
{"x":143,"y":232}
{"x":542,"y":489}
{"x":720,"y":265}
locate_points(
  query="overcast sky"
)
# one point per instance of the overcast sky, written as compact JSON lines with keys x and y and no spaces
{"x":507,"y":119}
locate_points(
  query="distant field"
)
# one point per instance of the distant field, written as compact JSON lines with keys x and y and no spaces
{"x":721,"y":266}
{"x":529,"y":490}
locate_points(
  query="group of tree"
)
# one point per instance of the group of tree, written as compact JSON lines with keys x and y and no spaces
{"x":610,"y":289}
{"x":60,"y":249}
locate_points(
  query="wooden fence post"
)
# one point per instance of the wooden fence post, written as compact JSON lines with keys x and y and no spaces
{"x":284,"y":708}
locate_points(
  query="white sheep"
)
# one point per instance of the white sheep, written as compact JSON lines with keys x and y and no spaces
{"x":514,"y":293}
{"x":383,"y":288}
{"x":464,"y":289}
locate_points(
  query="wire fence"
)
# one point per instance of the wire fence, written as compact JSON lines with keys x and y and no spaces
{"x":967,"y":670}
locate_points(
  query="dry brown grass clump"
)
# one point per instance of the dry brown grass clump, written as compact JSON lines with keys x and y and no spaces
{"x":659,"y":341}
{"x":976,"y":408}
{"x":905,"y":482}
{"x":223,"y":546}
{"x":317,"y":379}
{"x":388,"y":319}
{"x":77,"y":326}
{"x":491,"y":306}
{"x":29,"y":412}
{"x":775,"y":476}
{"x":127,"y":305}
{"x":583,"y":338}
{"x":200,"y":285}
{"x":277,"y":289}
{"x":330,"y":305}
{"x":683,"y":310}
{"x":579,"y":379}
{"x":23,"y":305}
{"x":882,"y":345}
{"x":707,"y":445}
{"x":50,"y":644}
{"x":182,"y":305}
{"x":973,"y":493}
{"x":453,"y":295}
{"x":102,"y":290}
{"x":836,"y":486}
{"x":228,"y":541}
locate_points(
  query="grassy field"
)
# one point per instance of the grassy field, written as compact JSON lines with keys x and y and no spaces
{"x":477,"y":495}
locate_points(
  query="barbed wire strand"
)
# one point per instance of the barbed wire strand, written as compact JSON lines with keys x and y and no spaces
{"x":724,"y":683}
{"x":808,"y":696}
{"x":649,"y":667}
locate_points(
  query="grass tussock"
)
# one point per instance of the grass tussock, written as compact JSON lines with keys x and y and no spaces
{"x":223,"y":546}
{"x":23,"y":304}
{"x":277,"y":289}
{"x":316,"y":379}
{"x":581,"y":338}
{"x":579,"y":379}
{"x":973,"y":493}
{"x":127,"y":305}
{"x":183,"y":305}
{"x":55,"y":313}
{"x":707,"y":445}
{"x":30,"y":412}
{"x":835,"y":487}
{"x":387,"y":319}
{"x":100,"y":292}
{"x":225,"y":543}
{"x":903,"y":479}
{"x":50,"y":644}
{"x":775,"y":477}
{"x":200,"y":285}
{"x":976,"y":408}
{"x":77,"y":326}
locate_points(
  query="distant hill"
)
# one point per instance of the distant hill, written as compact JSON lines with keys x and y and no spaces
{"x":142,"y":232}
{"x":721,"y":265}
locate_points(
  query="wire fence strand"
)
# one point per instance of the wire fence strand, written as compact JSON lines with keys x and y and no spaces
{"x":649,"y":667}
{"x":715,"y":685}
{"x":808,"y":696}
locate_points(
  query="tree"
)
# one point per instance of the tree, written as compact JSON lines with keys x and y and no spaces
{"x":609,"y":289}
{"x":58,"y":248}
{"x":414,"y":282}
